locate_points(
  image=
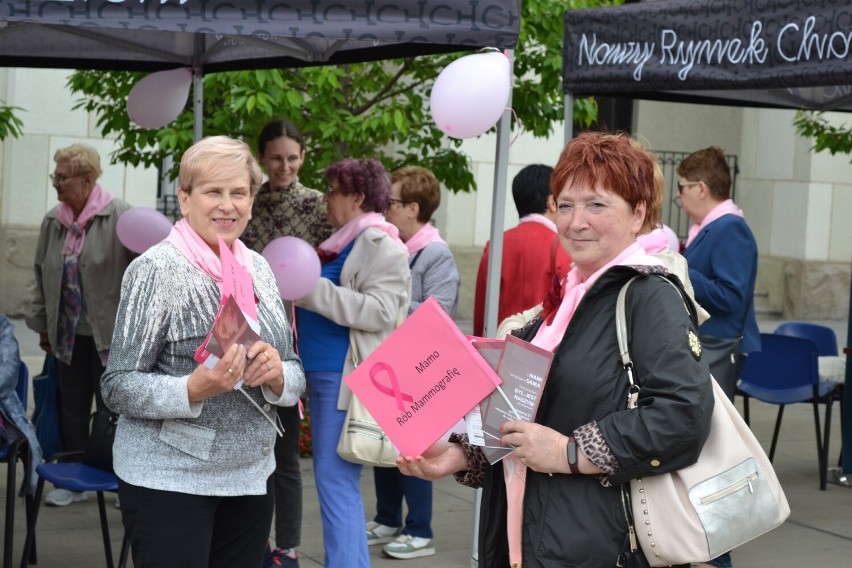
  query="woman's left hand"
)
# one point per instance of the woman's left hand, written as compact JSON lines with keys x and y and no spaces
{"x":264,"y":367}
{"x":538,"y":447}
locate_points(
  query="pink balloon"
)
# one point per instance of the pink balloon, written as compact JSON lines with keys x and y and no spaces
{"x":470,"y":94}
{"x":295,"y":264}
{"x":159,"y":98}
{"x":140,"y":228}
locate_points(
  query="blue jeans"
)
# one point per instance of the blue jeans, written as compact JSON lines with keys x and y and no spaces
{"x":391,"y":487}
{"x":338,"y":481}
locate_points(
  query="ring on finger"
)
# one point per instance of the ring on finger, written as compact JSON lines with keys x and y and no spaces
{"x":230,"y":371}
{"x":267,"y":355}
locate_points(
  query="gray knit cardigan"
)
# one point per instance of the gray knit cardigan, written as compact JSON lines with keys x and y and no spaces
{"x":222,"y":446}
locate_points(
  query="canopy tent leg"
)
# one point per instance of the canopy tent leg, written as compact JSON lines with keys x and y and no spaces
{"x":495,"y":259}
{"x":846,"y":408}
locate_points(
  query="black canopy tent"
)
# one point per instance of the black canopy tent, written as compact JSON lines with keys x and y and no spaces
{"x":768,"y":53}
{"x":225,"y":35}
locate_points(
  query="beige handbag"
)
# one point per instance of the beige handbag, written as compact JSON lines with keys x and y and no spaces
{"x":728,"y":497}
{"x":362,"y":440}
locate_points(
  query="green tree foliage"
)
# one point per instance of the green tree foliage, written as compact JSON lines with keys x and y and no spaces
{"x":10,"y":124}
{"x":835,"y":139}
{"x":377,"y":109}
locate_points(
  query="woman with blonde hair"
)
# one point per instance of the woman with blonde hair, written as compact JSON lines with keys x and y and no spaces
{"x":193,"y":446}
{"x":79,"y":263}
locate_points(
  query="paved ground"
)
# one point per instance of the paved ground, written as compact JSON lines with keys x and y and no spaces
{"x":818,"y":533}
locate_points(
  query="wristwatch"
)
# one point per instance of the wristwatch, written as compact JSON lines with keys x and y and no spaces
{"x":572,"y":455}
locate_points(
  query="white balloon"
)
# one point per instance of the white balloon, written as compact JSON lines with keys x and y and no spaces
{"x":159,"y":98}
{"x":470,"y":94}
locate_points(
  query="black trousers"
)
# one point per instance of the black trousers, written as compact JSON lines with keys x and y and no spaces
{"x":79,"y":383}
{"x":288,"y":480}
{"x":169,"y":529}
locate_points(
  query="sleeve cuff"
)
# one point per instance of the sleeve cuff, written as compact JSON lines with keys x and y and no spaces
{"x":593,"y":445}
{"x":474,"y":476}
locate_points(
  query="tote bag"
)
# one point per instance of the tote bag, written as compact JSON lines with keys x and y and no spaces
{"x":730,"y":496}
{"x":362,"y":440}
{"x":46,"y":414}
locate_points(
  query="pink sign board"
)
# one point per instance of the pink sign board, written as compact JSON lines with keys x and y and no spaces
{"x":422,"y":379}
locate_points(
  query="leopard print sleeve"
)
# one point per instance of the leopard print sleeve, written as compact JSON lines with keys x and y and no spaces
{"x":474,"y":476}
{"x":591,"y":442}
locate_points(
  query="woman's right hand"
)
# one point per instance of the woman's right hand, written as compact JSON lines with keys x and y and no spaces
{"x":205,"y":383}
{"x":440,"y":460}
{"x":44,"y":343}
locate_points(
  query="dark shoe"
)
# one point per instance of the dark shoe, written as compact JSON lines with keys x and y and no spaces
{"x":280,"y":557}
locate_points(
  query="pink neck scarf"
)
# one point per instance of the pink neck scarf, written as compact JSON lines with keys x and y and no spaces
{"x":200,"y":255}
{"x":348,"y":232}
{"x":427,"y":235}
{"x":76,"y":235}
{"x":540,"y":219}
{"x":727,"y":207}
{"x":655,"y":241}
{"x":550,"y":336}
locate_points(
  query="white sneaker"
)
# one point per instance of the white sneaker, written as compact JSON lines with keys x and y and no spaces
{"x":406,"y":546}
{"x":63,"y":497}
{"x":378,"y":533}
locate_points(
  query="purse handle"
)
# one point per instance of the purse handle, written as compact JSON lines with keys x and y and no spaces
{"x":621,"y":332}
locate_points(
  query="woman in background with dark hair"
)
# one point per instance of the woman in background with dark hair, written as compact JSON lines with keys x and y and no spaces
{"x":361,"y":297}
{"x":285,"y":208}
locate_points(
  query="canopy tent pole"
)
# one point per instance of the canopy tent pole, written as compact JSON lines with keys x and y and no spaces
{"x":569,"y":117}
{"x":198,"y":105}
{"x":495,"y":259}
{"x":846,"y":419}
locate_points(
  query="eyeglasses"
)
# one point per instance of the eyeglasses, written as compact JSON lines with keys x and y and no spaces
{"x":61,"y":179}
{"x":393,"y":200}
{"x":683,"y":185}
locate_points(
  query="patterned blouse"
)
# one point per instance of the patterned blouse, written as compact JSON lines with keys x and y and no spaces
{"x":295,"y":211}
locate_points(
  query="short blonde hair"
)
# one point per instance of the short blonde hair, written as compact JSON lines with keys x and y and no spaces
{"x":220,"y":154}
{"x":82,"y":158}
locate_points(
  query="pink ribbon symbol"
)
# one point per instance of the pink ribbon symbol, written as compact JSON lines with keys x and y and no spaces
{"x":394,"y":384}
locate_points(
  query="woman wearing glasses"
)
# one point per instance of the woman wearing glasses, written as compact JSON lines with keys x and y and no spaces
{"x":79,"y":264}
{"x":414,"y":196}
{"x":361,"y":297}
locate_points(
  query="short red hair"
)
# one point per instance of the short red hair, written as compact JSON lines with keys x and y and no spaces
{"x":614,"y":161}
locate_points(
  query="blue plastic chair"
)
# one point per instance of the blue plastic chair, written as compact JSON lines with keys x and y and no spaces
{"x":75,"y":476}
{"x":784,"y":372}
{"x":18,"y":450}
{"x":823,"y":336}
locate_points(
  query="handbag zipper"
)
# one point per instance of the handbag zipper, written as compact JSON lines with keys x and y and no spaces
{"x":625,"y":504}
{"x":733,"y":488}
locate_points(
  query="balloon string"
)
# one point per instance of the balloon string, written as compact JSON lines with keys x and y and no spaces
{"x":518,"y":133}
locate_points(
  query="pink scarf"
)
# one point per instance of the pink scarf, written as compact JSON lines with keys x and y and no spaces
{"x":540,"y":219}
{"x":76,"y":235}
{"x":655,"y":241}
{"x":550,"y":336}
{"x":200,"y":255}
{"x":427,"y":235}
{"x":727,"y":207}
{"x":348,"y":232}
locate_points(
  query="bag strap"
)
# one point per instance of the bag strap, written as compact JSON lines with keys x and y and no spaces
{"x":621,"y":332}
{"x":623,"y":349}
